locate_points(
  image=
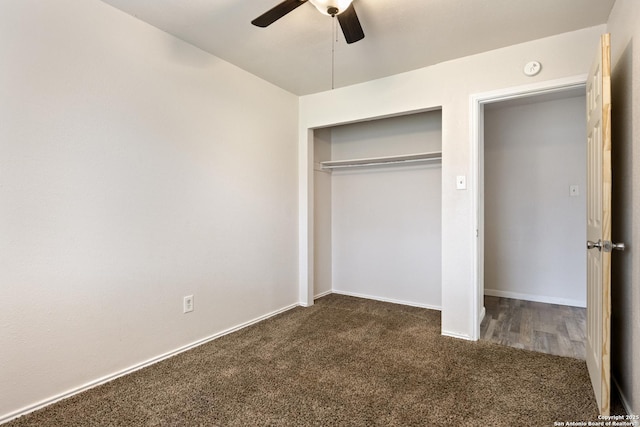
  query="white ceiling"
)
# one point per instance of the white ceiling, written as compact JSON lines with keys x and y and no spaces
{"x":400,"y":35}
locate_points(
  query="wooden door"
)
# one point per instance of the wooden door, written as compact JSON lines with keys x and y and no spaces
{"x":599,"y":224}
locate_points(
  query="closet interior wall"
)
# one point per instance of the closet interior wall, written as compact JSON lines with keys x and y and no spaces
{"x":377,"y":229}
{"x":322,"y":284}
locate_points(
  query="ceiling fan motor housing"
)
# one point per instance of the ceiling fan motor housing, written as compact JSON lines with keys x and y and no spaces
{"x":331,"y":7}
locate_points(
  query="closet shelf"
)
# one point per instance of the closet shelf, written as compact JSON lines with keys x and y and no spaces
{"x":374,"y":161}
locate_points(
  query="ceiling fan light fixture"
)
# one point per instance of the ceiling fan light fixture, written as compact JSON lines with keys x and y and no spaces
{"x":331,"y":7}
{"x":343,"y":10}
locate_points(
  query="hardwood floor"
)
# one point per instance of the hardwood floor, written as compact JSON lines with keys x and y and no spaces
{"x":546,"y":328}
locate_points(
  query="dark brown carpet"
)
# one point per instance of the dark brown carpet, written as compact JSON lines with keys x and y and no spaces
{"x":343,"y":362}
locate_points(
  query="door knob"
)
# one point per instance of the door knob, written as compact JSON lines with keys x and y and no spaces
{"x":618,"y":246}
{"x":606,"y":245}
{"x":591,"y":245}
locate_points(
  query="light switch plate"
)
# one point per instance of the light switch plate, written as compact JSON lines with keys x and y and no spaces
{"x":461,"y":182}
{"x":187,"y":304}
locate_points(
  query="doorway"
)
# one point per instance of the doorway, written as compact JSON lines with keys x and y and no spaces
{"x":535,"y":181}
{"x":531,"y":182}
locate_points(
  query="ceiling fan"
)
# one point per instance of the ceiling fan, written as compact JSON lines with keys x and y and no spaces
{"x":341,"y":9}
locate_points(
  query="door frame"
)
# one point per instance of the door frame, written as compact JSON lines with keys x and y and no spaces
{"x":477,"y":103}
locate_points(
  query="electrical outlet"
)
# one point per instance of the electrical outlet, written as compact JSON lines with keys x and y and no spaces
{"x":187,"y":304}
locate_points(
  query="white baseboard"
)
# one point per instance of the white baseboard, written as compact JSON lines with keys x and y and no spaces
{"x":383,"y":299}
{"x":483,"y":313}
{"x":457,"y":335}
{"x":410,"y":303}
{"x":46,"y":402}
{"x":322,"y":294}
{"x":536,"y":298}
{"x":623,"y":398}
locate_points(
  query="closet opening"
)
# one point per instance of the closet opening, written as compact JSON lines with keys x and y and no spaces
{"x":532,"y":191}
{"x":377,"y":209}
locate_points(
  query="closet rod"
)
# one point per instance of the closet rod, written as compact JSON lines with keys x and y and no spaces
{"x":374,"y":161}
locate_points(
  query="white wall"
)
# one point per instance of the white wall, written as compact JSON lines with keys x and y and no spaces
{"x":386,"y":219}
{"x":534,"y":229}
{"x":322,"y":266}
{"x":447,"y":85}
{"x":624,"y":26}
{"x":134,"y":169}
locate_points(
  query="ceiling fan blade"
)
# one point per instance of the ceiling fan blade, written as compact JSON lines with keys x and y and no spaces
{"x":277,"y":12}
{"x":350,"y":25}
